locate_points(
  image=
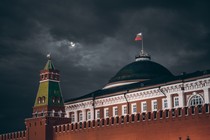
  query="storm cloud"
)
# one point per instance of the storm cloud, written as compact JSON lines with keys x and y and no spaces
{"x":176,"y":34}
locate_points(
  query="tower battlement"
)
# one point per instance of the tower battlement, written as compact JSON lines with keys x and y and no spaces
{"x":19,"y":135}
{"x":150,"y":117}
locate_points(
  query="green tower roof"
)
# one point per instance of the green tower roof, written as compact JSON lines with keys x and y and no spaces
{"x":49,"y":65}
{"x":49,"y":92}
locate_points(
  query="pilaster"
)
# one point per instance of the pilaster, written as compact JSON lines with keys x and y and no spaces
{"x":206,"y":95}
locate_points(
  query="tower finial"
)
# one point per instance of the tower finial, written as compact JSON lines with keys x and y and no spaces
{"x":49,"y":56}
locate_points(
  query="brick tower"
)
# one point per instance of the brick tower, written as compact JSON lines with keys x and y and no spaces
{"x":49,"y":107}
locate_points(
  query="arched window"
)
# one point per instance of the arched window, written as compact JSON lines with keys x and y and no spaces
{"x":195,"y":100}
{"x":43,"y":99}
{"x":39,"y":100}
{"x":58,"y":100}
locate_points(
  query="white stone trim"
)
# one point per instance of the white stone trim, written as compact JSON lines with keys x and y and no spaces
{"x":168,"y":90}
{"x":113,"y":111}
{"x":152,"y":103}
{"x":106,"y":109}
{"x":174,"y":99}
{"x":96,"y":114}
{"x":118,"y":84}
{"x":163,"y":104}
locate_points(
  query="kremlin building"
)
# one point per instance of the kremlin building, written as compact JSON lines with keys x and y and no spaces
{"x":142,"y":101}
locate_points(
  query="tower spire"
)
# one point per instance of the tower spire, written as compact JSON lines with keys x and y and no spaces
{"x":49,"y":100}
{"x":142,"y":55}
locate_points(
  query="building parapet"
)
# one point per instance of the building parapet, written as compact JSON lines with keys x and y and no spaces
{"x":20,"y":135}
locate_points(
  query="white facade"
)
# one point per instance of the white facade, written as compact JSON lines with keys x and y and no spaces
{"x":194,"y":91}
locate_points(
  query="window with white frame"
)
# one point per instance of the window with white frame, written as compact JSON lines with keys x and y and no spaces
{"x":154,"y":105}
{"x":165,"y":103}
{"x":176,"y":101}
{"x":97,"y":113}
{"x":124,"y":109}
{"x":80,"y":116}
{"x":134,"y":109}
{"x":195,"y":100}
{"x":88,"y":115}
{"x":115,"y":111}
{"x":144,"y":106}
{"x":72,"y":117}
{"x":106,"y":112}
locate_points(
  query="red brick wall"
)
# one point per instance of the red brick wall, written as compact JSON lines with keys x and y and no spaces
{"x":196,"y":126}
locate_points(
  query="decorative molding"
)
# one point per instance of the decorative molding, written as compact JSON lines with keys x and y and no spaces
{"x":176,"y":88}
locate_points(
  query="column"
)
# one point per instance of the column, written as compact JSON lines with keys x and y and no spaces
{"x":75,"y":116}
{"x":92,"y":113}
{"x":206,"y":95}
{"x":83,"y":114}
{"x":168,"y":96}
{"x":181,"y":99}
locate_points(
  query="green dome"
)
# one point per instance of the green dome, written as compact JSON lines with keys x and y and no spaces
{"x":141,"y":70}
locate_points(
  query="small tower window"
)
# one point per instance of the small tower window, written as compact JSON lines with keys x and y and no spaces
{"x":58,"y":100}
{"x":53,"y":99}
{"x":39,"y":100}
{"x":43,"y":99}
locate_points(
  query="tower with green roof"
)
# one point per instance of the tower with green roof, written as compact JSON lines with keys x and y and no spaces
{"x":48,"y":109}
{"x":49,"y":100}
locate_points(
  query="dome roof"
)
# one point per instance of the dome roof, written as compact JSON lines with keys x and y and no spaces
{"x":141,"y":70}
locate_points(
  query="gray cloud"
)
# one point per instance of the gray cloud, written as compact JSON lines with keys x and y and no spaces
{"x":176,"y":34}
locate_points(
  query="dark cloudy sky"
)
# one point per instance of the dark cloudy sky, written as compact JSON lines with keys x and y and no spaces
{"x":176,"y":34}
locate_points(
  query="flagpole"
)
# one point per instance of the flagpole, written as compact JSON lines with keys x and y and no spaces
{"x":142,"y":47}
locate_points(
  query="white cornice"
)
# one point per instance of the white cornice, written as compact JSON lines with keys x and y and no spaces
{"x":198,"y":84}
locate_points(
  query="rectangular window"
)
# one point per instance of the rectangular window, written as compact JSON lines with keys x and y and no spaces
{"x":124,"y":109}
{"x":115,"y":111}
{"x":134,"y":110}
{"x":106,"y":112}
{"x":154,"y":105}
{"x":97,"y":113}
{"x":165,"y":103}
{"x":72,"y":118}
{"x":176,"y":101}
{"x":88,"y":115}
{"x":144,"y":106}
{"x":80,"y":116}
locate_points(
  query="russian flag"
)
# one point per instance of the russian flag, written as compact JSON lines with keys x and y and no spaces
{"x":139,"y":37}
